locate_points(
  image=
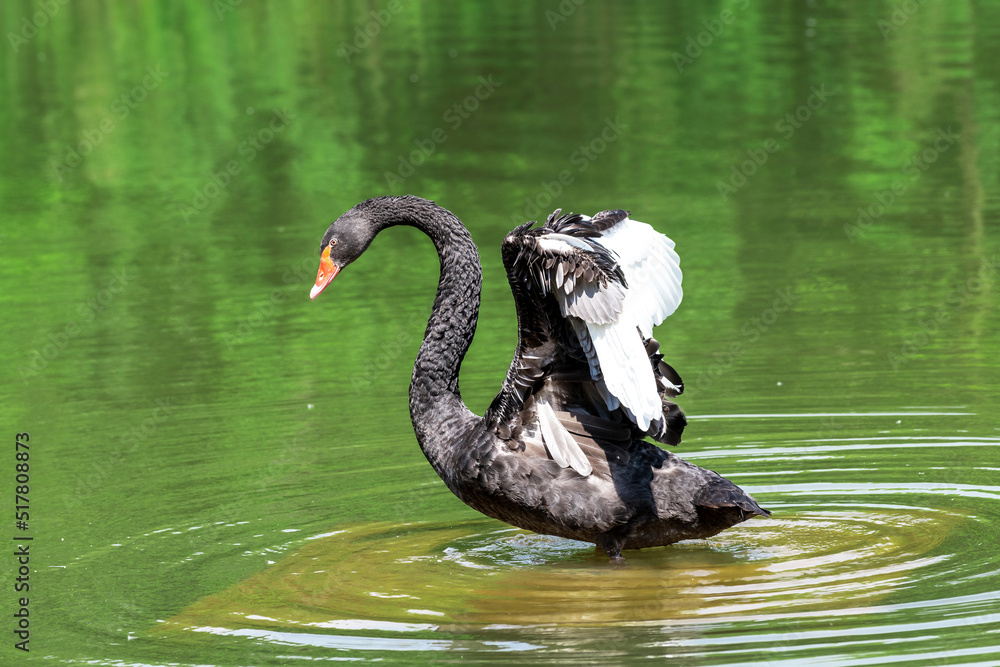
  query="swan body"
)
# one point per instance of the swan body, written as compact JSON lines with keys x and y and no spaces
{"x":561,"y":449}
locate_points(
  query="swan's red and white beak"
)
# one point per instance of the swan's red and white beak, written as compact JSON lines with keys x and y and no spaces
{"x":327,"y":271}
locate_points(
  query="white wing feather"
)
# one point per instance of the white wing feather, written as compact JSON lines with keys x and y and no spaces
{"x":563,"y":449}
{"x":653,"y":276}
{"x":652,"y":271}
{"x":561,"y":243}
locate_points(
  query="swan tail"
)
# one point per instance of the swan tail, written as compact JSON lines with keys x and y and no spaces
{"x":720,"y":493}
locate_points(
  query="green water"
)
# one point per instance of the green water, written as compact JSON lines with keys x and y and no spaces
{"x":224,"y":473}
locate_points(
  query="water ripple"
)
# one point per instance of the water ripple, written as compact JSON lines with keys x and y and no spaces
{"x":888,"y":557}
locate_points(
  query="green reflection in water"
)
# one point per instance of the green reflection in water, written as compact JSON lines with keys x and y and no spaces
{"x":169,"y":168}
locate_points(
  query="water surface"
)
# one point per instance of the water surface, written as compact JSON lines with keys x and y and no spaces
{"x":224,"y":473}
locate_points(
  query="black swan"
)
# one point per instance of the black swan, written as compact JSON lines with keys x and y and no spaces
{"x":560,"y":450}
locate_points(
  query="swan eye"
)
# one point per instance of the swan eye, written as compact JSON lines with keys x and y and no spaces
{"x":333,"y":242}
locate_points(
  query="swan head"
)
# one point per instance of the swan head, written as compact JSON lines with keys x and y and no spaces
{"x":344,"y":241}
{"x":352,"y":233}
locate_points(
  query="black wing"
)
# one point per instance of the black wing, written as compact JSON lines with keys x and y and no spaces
{"x":563,"y":278}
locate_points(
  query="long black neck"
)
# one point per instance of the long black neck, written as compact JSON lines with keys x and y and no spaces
{"x":436,"y":407}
